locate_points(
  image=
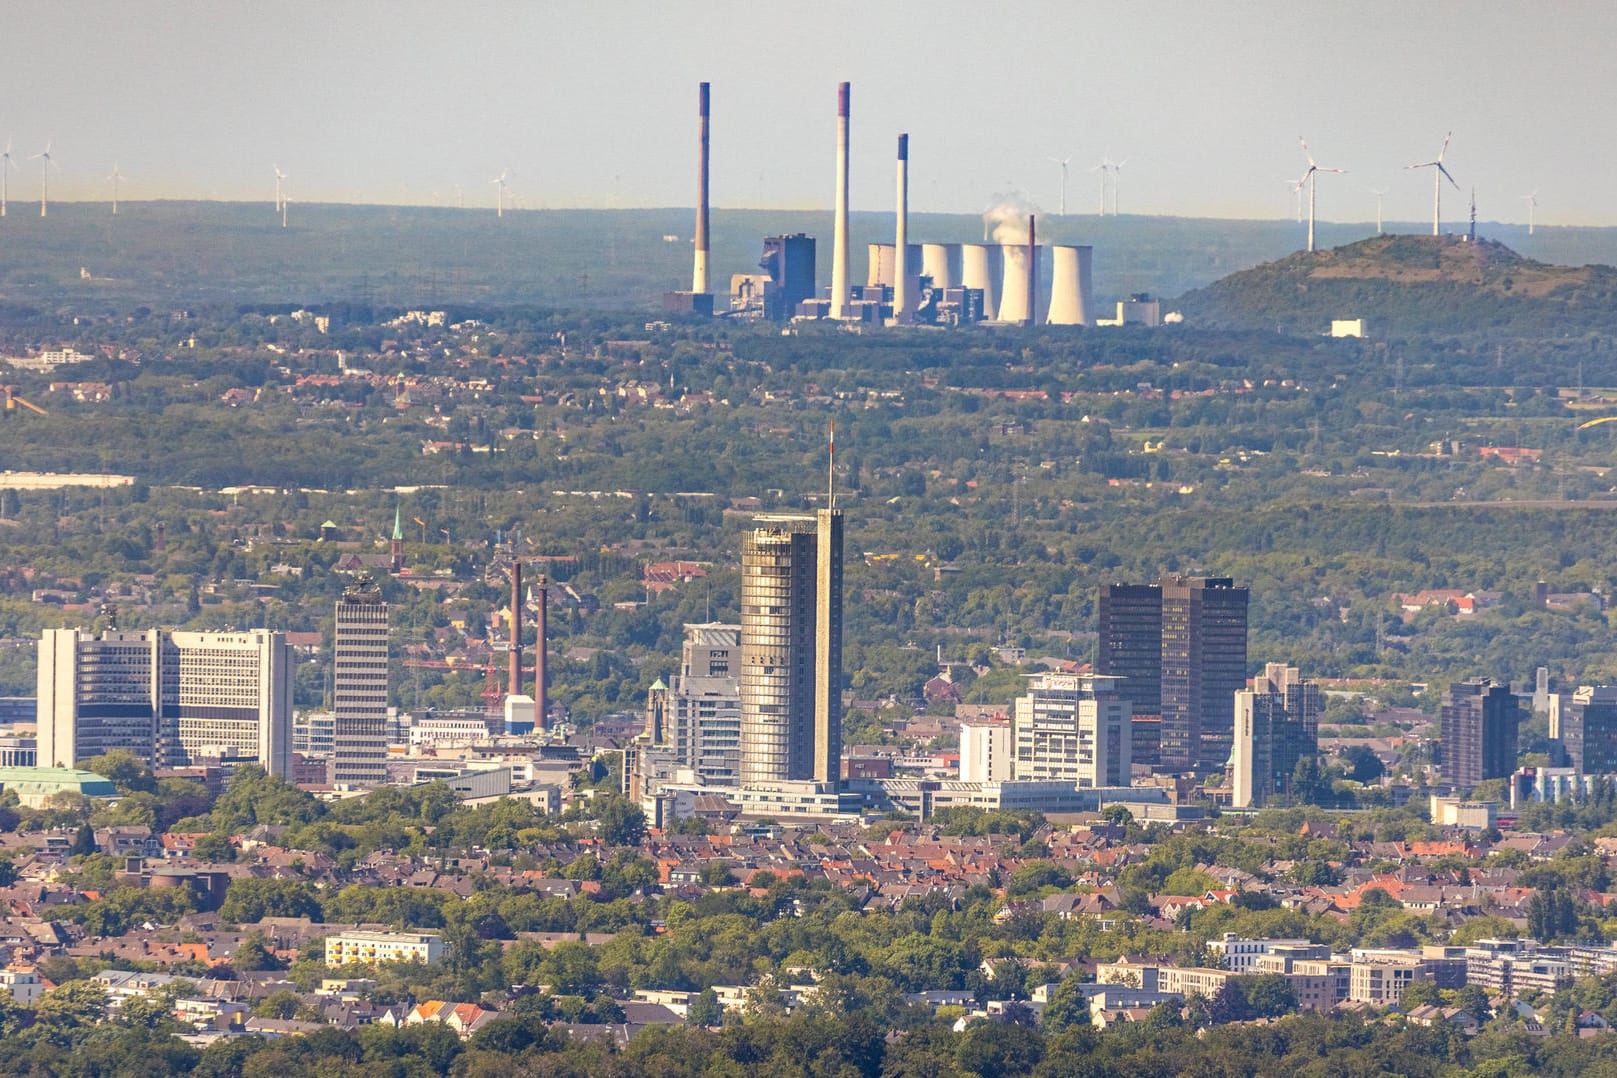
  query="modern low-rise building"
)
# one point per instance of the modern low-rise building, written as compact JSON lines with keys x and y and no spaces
{"x":375,"y":948}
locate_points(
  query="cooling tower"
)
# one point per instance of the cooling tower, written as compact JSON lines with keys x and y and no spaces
{"x":839,"y":235}
{"x":699,"y":273}
{"x":902,"y":301}
{"x":1014,"y":305}
{"x":980,"y":268}
{"x":942,"y":263}
{"x":881,"y":264}
{"x":881,"y":270}
{"x":1070,"y":287}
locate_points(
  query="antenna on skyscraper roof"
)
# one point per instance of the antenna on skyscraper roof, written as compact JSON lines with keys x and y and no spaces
{"x":831,"y":469}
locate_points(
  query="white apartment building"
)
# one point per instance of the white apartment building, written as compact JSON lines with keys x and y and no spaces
{"x":171,"y":698}
{"x":374,"y":948}
{"x":1073,"y":728}
{"x":1240,"y":955}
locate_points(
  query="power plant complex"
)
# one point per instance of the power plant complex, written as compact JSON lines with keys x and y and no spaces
{"x":933,"y":283}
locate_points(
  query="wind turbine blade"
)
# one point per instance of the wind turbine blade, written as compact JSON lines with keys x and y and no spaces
{"x":1306,"y":152}
{"x":1445,"y":148}
{"x":1445,"y":172}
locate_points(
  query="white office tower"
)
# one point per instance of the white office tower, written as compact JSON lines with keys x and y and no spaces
{"x":359,"y":688}
{"x":985,"y":751}
{"x":791,"y":649}
{"x":1071,"y":292}
{"x":703,"y":725}
{"x":1074,"y":728}
{"x":980,"y":267}
{"x":174,"y":699}
{"x":839,"y":232}
{"x":941,"y":262}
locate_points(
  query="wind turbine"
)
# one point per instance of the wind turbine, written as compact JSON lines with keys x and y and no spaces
{"x":1439,"y":173}
{"x":279,"y":176}
{"x":505,"y":174}
{"x":1296,"y":190}
{"x":6,"y":164}
{"x":1532,"y":204}
{"x":1104,"y":168}
{"x":115,"y":177}
{"x":1063,"y":162}
{"x":1379,"y":192}
{"x":1311,"y":178}
{"x":45,"y":163}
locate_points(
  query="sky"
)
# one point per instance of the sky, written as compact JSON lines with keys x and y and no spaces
{"x":592,"y":104}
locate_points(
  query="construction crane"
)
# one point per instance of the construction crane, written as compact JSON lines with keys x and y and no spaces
{"x":12,"y":400}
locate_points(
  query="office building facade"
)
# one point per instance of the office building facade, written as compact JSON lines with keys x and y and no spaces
{"x":1276,"y":726}
{"x":1073,"y":729}
{"x":1180,"y":645}
{"x":1479,"y":722}
{"x":1585,"y":724}
{"x":359,"y":688}
{"x":700,"y":722}
{"x":173,"y":699}
{"x":790,"y":672}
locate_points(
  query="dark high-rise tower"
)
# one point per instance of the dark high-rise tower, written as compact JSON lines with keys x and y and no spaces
{"x":1181,"y":645}
{"x":791,"y":649}
{"x":1479,"y":722}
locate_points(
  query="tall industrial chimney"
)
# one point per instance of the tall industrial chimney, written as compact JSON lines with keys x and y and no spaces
{"x":839,"y":235}
{"x":541,"y":644}
{"x":699,"y":273}
{"x":515,"y":687}
{"x":901,"y":246}
{"x":1032,"y":274}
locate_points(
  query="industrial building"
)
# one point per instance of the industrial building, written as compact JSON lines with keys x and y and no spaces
{"x":173,"y":699}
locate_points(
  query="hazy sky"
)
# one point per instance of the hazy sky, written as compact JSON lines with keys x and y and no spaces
{"x":592,"y":102}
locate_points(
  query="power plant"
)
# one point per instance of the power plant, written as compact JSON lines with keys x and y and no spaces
{"x":931,"y":283}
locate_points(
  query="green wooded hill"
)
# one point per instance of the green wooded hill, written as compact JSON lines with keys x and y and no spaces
{"x":1413,"y":284}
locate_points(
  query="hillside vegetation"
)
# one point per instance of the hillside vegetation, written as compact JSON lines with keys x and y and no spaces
{"x":1409,"y":284}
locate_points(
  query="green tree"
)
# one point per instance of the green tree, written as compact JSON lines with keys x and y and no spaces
{"x":705,"y":1009}
{"x":621,"y":823}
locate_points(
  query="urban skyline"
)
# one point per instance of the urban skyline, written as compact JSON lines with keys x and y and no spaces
{"x":221,"y":104}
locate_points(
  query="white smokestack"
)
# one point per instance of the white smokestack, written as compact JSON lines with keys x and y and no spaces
{"x":1070,"y":286}
{"x":699,"y":272}
{"x":941,"y":262}
{"x":901,"y":283}
{"x":980,"y":267}
{"x":839,"y":234}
